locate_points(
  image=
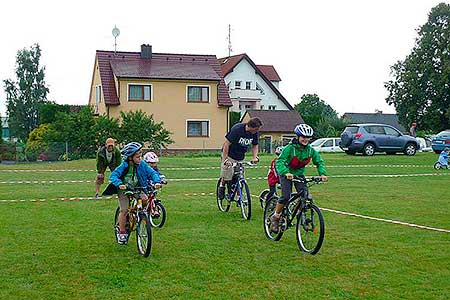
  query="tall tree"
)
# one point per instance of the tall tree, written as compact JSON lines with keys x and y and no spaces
{"x":420,"y":88}
{"x":313,"y":109}
{"x":26,"y":93}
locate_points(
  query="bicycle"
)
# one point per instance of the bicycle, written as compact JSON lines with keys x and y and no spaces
{"x":156,"y":211}
{"x":138,"y":220}
{"x":237,"y":187}
{"x":299,"y":211}
{"x":263,"y":196}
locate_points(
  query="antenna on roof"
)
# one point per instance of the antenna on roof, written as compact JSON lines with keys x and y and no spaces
{"x":115,"y":33}
{"x":229,"y":40}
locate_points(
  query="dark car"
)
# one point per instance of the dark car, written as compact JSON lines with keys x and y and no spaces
{"x":441,"y":141}
{"x":371,"y":138}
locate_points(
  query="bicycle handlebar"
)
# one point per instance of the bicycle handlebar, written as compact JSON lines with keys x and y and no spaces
{"x":307,"y":180}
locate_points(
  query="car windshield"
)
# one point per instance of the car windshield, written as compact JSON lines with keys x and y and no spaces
{"x":351,"y":129}
{"x":317,"y":142}
{"x":444,"y":134}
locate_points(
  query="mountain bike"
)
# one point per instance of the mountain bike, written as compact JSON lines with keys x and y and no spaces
{"x":263,"y":196}
{"x":156,"y":211}
{"x":236,"y":190}
{"x":137,"y":220}
{"x":299,"y":211}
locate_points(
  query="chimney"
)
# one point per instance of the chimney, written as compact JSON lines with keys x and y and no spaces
{"x":146,"y":51}
{"x":377,"y":111}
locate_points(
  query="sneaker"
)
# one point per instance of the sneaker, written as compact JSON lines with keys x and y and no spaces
{"x":221,"y":192}
{"x":275,"y":222}
{"x":122,"y":238}
{"x":96,"y":196}
{"x":155,"y":214}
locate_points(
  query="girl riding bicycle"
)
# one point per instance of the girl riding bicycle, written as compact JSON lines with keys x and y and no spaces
{"x":292,"y":162}
{"x":152,"y":159}
{"x":272,"y":177}
{"x":132,"y":172}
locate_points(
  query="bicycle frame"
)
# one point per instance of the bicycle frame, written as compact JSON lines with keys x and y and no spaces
{"x":239,"y":171}
{"x":304,"y":196}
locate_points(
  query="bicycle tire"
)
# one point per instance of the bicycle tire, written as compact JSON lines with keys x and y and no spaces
{"x":437,"y":166}
{"x":116,"y":224}
{"x":262,"y":197}
{"x":246,"y":202}
{"x":161,"y":220}
{"x":306,"y":229}
{"x":143,"y":235}
{"x":222,"y":204}
{"x":267,"y":223}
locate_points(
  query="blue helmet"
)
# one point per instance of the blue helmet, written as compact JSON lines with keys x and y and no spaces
{"x":130,"y":149}
{"x":304,"y":130}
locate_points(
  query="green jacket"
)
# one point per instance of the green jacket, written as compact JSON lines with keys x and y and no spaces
{"x":102,"y":162}
{"x":304,"y":155}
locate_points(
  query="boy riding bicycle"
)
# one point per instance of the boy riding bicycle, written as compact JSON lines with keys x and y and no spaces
{"x":132,"y":172}
{"x":292,"y":162}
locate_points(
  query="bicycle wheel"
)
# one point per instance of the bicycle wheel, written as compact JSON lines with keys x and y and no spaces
{"x":262,"y":197}
{"x":246,"y":201}
{"x":223,"y":204}
{"x":143,"y":235}
{"x":158,"y":216}
{"x":437,"y":166}
{"x":269,"y":210}
{"x":116,"y":224}
{"x":310,"y":229}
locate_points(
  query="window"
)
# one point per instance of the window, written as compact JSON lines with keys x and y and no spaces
{"x":248,"y":85}
{"x":391,"y":131}
{"x":337,"y":142}
{"x":261,"y":107}
{"x":375,"y":129}
{"x":139,"y":92}
{"x":198,"y":128}
{"x":248,"y":107}
{"x":98,"y":94}
{"x":328,"y":143}
{"x":237,"y":85}
{"x":198,"y":94}
{"x":272,"y":107}
{"x":259,"y":88}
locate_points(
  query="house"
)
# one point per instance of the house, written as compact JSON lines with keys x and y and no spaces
{"x":5,"y":128}
{"x":378,"y":117}
{"x":278,"y":127}
{"x":185,"y":91}
{"x":252,"y":86}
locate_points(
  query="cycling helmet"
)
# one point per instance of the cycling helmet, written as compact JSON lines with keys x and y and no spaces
{"x":278,"y":150}
{"x":130,"y":149}
{"x":304,"y":130}
{"x":151,"y":157}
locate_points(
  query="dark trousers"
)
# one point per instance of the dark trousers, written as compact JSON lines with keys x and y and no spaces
{"x":272,"y":191}
{"x":286,"y":189}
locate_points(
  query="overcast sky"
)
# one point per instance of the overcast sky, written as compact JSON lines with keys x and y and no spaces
{"x":340,"y":50}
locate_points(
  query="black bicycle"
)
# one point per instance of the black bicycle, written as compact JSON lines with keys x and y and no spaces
{"x":138,"y":220}
{"x":299,"y":211}
{"x":238,"y":188}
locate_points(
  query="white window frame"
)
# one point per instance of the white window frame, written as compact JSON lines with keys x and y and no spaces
{"x":139,"y":83}
{"x":250,"y":85}
{"x":198,"y":120}
{"x":198,"y":85}
{"x":99,"y":100}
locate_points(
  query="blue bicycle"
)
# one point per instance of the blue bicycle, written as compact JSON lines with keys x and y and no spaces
{"x":236,"y":191}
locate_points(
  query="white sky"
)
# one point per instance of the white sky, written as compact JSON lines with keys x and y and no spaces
{"x":340,"y":50}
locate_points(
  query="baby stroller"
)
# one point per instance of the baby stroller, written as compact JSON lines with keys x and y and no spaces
{"x":442,"y":162}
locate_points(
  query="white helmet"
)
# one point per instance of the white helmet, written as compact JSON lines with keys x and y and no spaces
{"x":304,"y":130}
{"x":151,"y":157}
{"x":278,"y":150}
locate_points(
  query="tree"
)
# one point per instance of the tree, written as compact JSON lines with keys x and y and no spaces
{"x":235,"y":117}
{"x":104,"y":128}
{"x":48,"y":111}
{"x":138,"y":127}
{"x":24,"y":95}
{"x":313,"y":109}
{"x":37,"y":141}
{"x":420,"y":88}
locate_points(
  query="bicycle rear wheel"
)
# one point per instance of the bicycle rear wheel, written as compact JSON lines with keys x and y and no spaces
{"x":269,"y":210}
{"x":262,"y":197}
{"x":246,"y":201}
{"x":222,"y":204}
{"x":310,"y":229}
{"x":143,"y":235}
{"x":158,"y":216}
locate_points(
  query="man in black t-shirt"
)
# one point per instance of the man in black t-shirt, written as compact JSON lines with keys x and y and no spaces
{"x":237,"y":142}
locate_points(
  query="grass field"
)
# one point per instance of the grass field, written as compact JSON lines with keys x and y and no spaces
{"x":58,"y":249}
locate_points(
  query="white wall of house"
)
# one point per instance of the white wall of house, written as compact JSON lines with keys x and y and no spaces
{"x":244,"y":72}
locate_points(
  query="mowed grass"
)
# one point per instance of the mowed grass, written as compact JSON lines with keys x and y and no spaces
{"x":66,"y":249}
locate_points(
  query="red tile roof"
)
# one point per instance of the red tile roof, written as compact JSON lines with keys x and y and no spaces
{"x":160,"y":66}
{"x":270,"y":72}
{"x":276,"y":120}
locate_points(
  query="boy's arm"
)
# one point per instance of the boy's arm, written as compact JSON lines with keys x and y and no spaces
{"x":114,"y":177}
{"x":99,"y":165}
{"x":281,"y":163}
{"x":318,"y":162}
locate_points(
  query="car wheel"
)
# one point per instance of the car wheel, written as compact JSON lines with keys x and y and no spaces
{"x":410,"y":149}
{"x":369,"y":149}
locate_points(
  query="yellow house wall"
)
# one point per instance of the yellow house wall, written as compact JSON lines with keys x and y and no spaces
{"x":95,"y":82}
{"x":169,"y":104}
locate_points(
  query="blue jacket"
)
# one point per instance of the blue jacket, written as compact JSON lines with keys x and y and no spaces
{"x":144,"y":173}
{"x":443,"y":158}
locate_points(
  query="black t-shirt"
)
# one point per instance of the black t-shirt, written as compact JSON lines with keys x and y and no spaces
{"x":240,"y":140}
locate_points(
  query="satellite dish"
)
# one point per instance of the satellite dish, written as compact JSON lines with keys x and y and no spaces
{"x":115,"y":31}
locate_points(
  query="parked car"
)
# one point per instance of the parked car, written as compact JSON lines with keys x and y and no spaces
{"x":441,"y":141}
{"x":371,"y":138}
{"x":424,"y":144}
{"x":327,"y":145}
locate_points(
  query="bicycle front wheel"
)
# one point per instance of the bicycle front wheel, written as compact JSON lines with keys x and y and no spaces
{"x":224,"y":203}
{"x":262,"y":197}
{"x":116,"y":224}
{"x":158,"y":216}
{"x":246,"y":201}
{"x":143,"y":235}
{"x":310,"y":229}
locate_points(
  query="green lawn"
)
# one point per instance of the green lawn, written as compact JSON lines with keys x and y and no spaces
{"x":66,"y":249}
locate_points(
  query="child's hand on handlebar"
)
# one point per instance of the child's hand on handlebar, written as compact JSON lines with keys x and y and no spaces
{"x":122,"y":187}
{"x":158,"y":185}
{"x":324,"y":178}
{"x":289,"y":176}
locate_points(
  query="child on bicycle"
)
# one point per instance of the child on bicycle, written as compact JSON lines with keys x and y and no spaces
{"x":443,"y":158}
{"x":292,"y":162}
{"x":152,"y":159}
{"x":132,"y":172}
{"x":272,"y":176}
